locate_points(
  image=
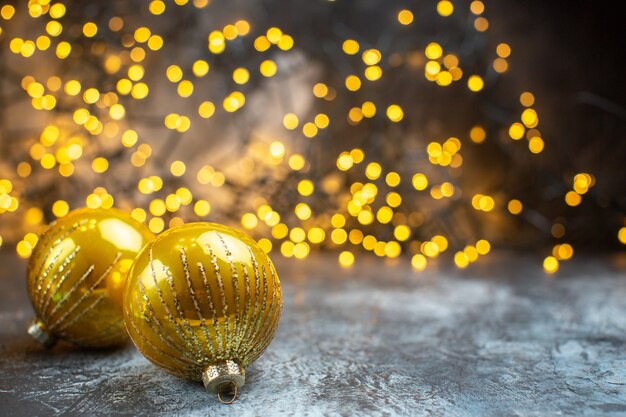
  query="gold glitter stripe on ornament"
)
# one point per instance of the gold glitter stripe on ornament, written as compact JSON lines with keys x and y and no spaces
{"x":56,"y":323}
{"x":181,"y":315}
{"x":45,"y":297}
{"x":235,"y":285}
{"x":72,"y":289}
{"x":153,"y":322}
{"x":196,"y":303}
{"x":216,"y":326}
{"x":51,"y":235}
{"x":177,"y":328}
{"x":182,"y":360}
{"x":220,"y":283}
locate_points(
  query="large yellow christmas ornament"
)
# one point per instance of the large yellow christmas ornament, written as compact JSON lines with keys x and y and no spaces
{"x":203,"y":301}
{"x":76,"y":277}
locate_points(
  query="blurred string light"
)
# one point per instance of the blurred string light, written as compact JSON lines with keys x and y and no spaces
{"x":105,"y":80}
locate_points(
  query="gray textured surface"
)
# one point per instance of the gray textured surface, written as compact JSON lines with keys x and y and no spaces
{"x":499,"y":339}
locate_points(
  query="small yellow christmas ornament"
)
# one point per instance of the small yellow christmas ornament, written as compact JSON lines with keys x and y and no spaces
{"x":76,"y":277}
{"x":203,"y":301}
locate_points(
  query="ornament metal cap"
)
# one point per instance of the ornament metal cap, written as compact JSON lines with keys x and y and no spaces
{"x":224,"y":377}
{"x":38,"y":330}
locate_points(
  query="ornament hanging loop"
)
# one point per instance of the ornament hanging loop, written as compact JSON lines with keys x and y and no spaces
{"x":221,"y":390}
{"x":38,"y":330}
{"x":224,"y":377}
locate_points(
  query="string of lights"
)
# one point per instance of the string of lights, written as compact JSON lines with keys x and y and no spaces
{"x":389,"y":136}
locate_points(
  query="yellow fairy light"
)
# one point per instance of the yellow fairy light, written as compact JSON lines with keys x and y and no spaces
{"x":100,"y":165}
{"x":433,"y":50}
{"x":392,"y":179}
{"x":117,"y":112}
{"x":156,"y":7}
{"x":515,"y":206}
{"x":346,"y":259}
{"x":91,"y":95}
{"x":320,"y":90}
{"x":475,"y":83}
{"x":405,"y":17}
{"x":54,"y":28}
{"x":368,"y":109}
{"x":394,"y":199}
{"x":371,"y":56}
{"x":461,"y":260}
{"x":202,"y":208}
{"x":156,"y":225}
{"x":280,"y":231}
{"x":290,"y":121}
{"x":527,"y":99}
{"x":285,"y":43}
{"x":353,"y":83}
{"x":241,"y":75}
{"x":297,"y":235}
{"x":35,"y":89}
{"x":373,"y":170}
{"x":621,"y":235}
{"x":303,"y":211}
{"x":142,"y":34}
{"x":234,"y":101}
{"x":139,"y":91}
{"x":24,"y":169}
{"x":345,"y":162}
{"x":206,"y":109}
{"x":373,"y":73}
{"x":155,"y":42}
{"x":481,"y":24}
{"x":402,"y":232}
{"x":178,"y":168}
{"x":572,"y":198}
{"x":185,"y":88}
{"x":535,"y":144}
{"x":124,"y":86}
{"x":262,"y":44}
{"x":339,"y":236}
{"x":516,"y":131}
{"x":564,"y":252}
{"x":249,"y":220}
{"x":305,"y":187}
{"x":309,"y":130}
{"x":265,"y":244}
{"x":529,"y":118}
{"x":90,"y":29}
{"x":274,"y":34}
{"x":268,"y":68}
{"x":445,"y":8}
{"x":296,"y":162}
{"x":322,"y":121}
{"x":24,"y":249}
{"x":551,"y":264}
{"x":350,"y":47}
{"x":477,"y":7}
{"x":243,"y":27}
{"x":43,"y":42}
{"x":174,"y":73}
{"x":277,"y":149}
{"x":48,"y":161}
{"x":287,"y":249}
{"x":483,"y":247}
{"x":395,"y":113}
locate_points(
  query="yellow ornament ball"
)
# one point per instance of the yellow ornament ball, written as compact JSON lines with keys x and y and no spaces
{"x":203,"y":301}
{"x":76,"y":277}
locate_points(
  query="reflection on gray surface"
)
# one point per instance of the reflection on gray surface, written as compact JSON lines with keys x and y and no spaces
{"x":499,"y":339}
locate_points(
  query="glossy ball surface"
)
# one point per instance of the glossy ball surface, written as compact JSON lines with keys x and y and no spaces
{"x":202,"y":294}
{"x":77,"y":271}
